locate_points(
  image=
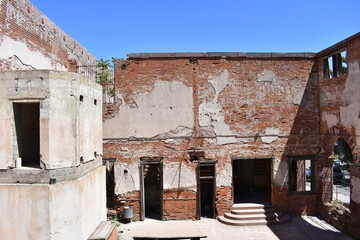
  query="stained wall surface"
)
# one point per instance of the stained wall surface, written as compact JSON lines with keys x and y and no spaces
{"x":66,"y":210}
{"x":30,"y":40}
{"x":70,"y":128}
{"x":243,"y":106}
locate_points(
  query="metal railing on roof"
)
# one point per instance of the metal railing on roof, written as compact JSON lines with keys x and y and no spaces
{"x":104,"y":76}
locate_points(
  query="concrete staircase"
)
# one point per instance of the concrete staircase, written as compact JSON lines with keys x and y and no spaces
{"x":249,"y":214}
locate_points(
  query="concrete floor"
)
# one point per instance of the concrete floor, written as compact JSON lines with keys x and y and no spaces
{"x":299,"y":228}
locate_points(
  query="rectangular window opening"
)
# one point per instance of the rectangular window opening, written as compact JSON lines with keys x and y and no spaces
{"x":301,"y":175}
{"x":336,"y":64}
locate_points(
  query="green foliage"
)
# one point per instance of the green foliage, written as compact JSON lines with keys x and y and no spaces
{"x":105,"y":76}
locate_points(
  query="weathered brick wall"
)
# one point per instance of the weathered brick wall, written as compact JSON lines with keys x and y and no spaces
{"x":30,"y":40}
{"x":339,"y":108}
{"x":238,"y":106}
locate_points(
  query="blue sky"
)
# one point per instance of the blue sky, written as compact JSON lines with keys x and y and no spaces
{"x":112,"y":28}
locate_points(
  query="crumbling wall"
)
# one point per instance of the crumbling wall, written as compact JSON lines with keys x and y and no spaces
{"x":30,"y":40}
{"x":243,"y":106}
{"x":339,"y":111}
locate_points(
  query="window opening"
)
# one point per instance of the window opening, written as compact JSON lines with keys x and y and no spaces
{"x":336,"y":64}
{"x":341,"y":175}
{"x":301,"y":174}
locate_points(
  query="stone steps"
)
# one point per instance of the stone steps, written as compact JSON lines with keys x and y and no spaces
{"x":249,"y":214}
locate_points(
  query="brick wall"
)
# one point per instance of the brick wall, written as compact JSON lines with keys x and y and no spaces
{"x":339,"y":118}
{"x":30,"y":40}
{"x":243,"y":106}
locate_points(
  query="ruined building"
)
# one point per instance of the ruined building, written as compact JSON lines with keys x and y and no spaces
{"x":194,"y":133}
{"x":52,"y":182}
{"x":191,"y":133}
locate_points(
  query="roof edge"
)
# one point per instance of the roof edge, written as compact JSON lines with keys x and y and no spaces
{"x":222,"y":55}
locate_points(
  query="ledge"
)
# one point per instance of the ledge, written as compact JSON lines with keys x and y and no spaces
{"x":222,"y":55}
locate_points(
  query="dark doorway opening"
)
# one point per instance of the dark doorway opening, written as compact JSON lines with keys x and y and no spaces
{"x":152,"y":190}
{"x":252,"y":181}
{"x":206,"y":190}
{"x":27,"y":125}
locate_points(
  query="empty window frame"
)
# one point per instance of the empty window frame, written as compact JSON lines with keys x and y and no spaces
{"x":301,"y":174}
{"x":335,"y":64}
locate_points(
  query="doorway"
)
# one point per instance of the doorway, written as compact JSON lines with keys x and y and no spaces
{"x":152,"y":189}
{"x":27,"y":126}
{"x":252,"y":180}
{"x":206,"y":189}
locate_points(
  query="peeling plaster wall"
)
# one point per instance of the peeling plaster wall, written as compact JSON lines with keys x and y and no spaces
{"x":126,"y":182}
{"x":167,"y":108}
{"x":210,"y":113}
{"x":349,"y":114}
{"x":29,"y":40}
{"x":179,"y":176}
{"x":240,"y":107}
{"x":339,"y":111}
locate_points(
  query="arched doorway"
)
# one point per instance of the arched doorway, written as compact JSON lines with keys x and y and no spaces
{"x":341,"y":175}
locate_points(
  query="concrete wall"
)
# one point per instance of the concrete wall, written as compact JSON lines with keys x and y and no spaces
{"x":66,"y":210}
{"x":242,"y":106}
{"x":30,"y":40}
{"x":69,"y":128}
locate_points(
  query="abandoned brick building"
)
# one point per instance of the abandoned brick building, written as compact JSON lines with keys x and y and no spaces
{"x":191,"y":133}
{"x":194,"y":133}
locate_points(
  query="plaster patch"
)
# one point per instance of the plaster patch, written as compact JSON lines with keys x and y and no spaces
{"x":210,"y":113}
{"x":349,"y":114}
{"x":126,"y":182}
{"x":168,"y":107}
{"x":9,"y":48}
{"x":266,"y":76}
{"x":224,"y":176}
{"x":355,"y":192}
{"x":271,"y":138}
{"x":330,"y":119}
{"x":179,"y":176}
{"x":298,"y":97}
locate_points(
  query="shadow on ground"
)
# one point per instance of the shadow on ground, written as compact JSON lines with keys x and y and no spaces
{"x":307,"y":228}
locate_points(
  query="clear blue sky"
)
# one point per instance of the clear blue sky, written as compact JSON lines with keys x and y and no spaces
{"x":112,"y":28}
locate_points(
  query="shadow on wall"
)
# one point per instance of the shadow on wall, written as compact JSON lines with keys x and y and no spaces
{"x":304,"y":140}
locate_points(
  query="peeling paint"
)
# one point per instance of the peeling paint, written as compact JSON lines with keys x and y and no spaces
{"x":330,"y":119}
{"x":9,"y":48}
{"x":126,"y":182}
{"x":349,"y":114}
{"x":224,"y":176}
{"x":168,"y":107}
{"x":211,"y":114}
{"x":270,"y":131}
{"x":266,"y":76}
{"x":179,"y":176}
